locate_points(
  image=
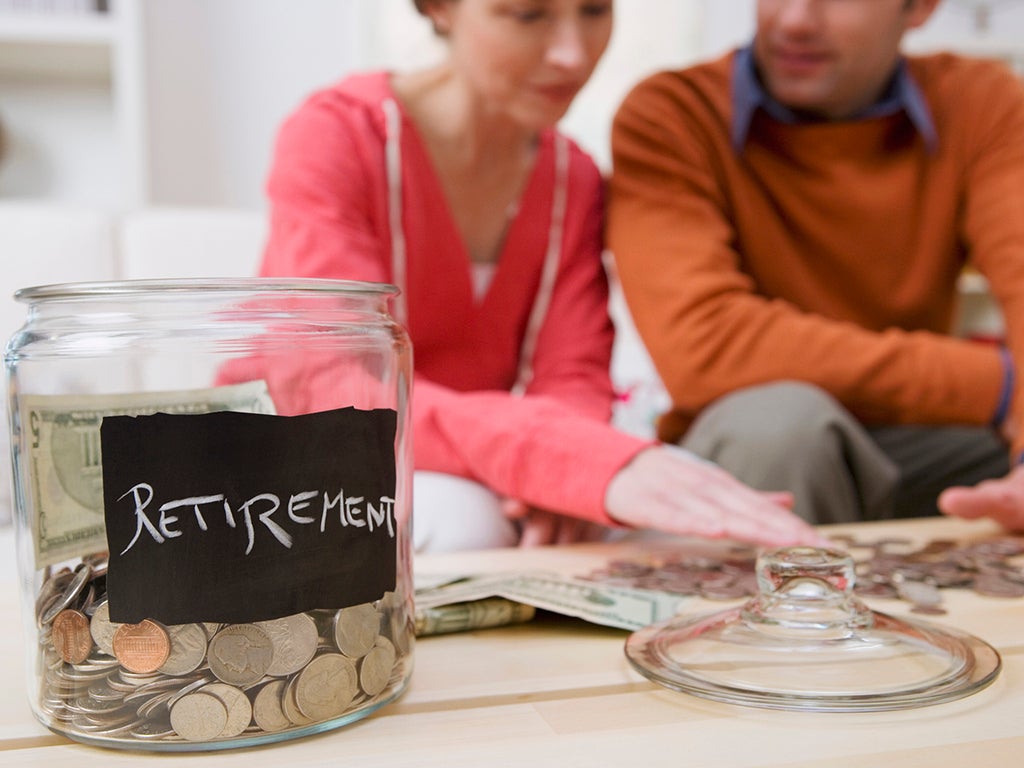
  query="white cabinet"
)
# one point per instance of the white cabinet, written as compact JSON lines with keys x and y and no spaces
{"x":71,"y":104}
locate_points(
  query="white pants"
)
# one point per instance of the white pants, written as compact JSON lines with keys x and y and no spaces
{"x":451,"y":513}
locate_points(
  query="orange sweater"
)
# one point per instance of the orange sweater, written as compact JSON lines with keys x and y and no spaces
{"x":825,"y":252}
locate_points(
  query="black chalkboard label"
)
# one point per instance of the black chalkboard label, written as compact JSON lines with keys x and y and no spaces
{"x":239,"y":517}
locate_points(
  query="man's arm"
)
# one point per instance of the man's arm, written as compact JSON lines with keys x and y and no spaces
{"x":993,"y":219}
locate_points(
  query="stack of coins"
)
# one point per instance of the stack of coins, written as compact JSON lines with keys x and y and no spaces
{"x":207,"y":682}
{"x":886,"y":568}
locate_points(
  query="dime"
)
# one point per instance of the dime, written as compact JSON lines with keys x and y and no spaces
{"x":199,"y":717}
{"x":240,"y":654}
{"x":190,"y":688}
{"x":268,"y":707}
{"x":154,"y":704}
{"x":135,"y":679}
{"x":101,"y":691}
{"x":290,"y":707}
{"x":238,"y":707}
{"x":160,"y":685}
{"x":141,"y":648}
{"x":294,"y":639}
{"x":102,"y":628}
{"x":153,"y":730}
{"x":356,"y":629}
{"x":73,"y":589}
{"x":375,"y":667}
{"x":70,"y":636}
{"x":326,"y":687}
{"x":50,"y":591}
{"x":188,"y":649}
{"x":89,"y":706}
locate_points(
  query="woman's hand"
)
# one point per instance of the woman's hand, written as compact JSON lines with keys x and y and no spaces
{"x":668,"y":489}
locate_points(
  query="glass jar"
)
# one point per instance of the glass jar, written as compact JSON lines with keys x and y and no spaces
{"x":211,"y":508}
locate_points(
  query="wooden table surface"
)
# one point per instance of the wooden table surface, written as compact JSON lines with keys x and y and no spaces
{"x":560,"y":692}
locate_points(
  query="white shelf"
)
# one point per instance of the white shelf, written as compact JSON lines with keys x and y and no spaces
{"x":57,"y":29}
{"x":56,"y":46}
{"x":72,"y":104}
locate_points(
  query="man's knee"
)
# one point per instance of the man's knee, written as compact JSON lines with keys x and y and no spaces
{"x":796,"y":437}
{"x":786,"y":418}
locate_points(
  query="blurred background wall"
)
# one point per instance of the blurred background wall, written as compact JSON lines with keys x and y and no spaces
{"x":176,"y":102}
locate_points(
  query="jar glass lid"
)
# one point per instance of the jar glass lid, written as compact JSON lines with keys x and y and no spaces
{"x":806,"y":642}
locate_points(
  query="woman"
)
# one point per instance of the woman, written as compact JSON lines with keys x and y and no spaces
{"x":453,"y":184}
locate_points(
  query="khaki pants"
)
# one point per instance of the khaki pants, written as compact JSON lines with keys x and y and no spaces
{"x":790,"y":436}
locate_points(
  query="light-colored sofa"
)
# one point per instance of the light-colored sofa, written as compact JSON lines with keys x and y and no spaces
{"x":43,"y":243}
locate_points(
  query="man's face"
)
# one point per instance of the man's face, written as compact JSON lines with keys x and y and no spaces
{"x":832,"y":57}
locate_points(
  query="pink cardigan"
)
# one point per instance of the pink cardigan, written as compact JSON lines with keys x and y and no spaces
{"x":329,"y":192}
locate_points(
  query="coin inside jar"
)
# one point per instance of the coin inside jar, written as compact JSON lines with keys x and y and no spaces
{"x":70,"y":636}
{"x":188,"y":649}
{"x":356,"y":629}
{"x":237,"y":705}
{"x":267,"y":707}
{"x":71,"y":591}
{"x":102,"y":628}
{"x":240,"y":654}
{"x":141,"y":648}
{"x":294,"y":639}
{"x":375,"y":667}
{"x":199,"y":717}
{"x":326,"y":687}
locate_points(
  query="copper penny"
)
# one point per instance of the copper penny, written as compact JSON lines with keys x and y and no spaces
{"x":71,"y":637}
{"x":141,"y":648}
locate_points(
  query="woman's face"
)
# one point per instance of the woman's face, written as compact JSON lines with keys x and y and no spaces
{"x":526,"y":59}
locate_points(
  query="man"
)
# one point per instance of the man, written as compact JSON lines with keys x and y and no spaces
{"x":789,"y":223}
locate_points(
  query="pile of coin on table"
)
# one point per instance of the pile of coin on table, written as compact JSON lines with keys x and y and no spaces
{"x":891,"y":568}
{"x":104,"y":681}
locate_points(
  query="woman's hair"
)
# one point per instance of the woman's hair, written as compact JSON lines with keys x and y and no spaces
{"x":423,"y":6}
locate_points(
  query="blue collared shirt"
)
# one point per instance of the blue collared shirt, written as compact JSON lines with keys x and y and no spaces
{"x":748,"y":95}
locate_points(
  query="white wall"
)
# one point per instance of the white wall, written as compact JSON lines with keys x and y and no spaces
{"x":222,"y":74}
{"x":57,"y":141}
{"x":666,"y":33}
{"x":731,"y":22}
{"x":215,"y":78}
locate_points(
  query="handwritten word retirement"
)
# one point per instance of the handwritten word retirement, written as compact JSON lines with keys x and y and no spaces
{"x":303,"y":508}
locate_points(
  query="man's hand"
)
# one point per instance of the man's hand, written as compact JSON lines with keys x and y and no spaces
{"x":1001,"y":499}
{"x":668,"y":489}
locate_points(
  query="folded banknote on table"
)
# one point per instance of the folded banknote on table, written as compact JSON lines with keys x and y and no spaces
{"x":458,"y":603}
